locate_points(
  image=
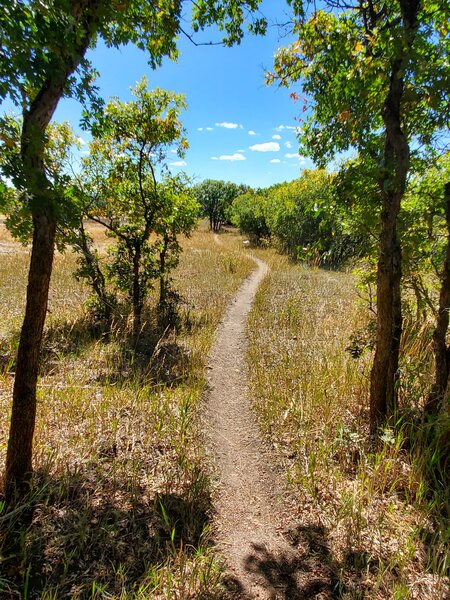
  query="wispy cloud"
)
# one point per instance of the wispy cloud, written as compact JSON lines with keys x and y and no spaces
{"x":283,"y":127}
{"x":232,"y":157}
{"x":251,"y":132}
{"x":276,"y":137}
{"x":229,"y":125}
{"x":178,"y":163}
{"x":275,"y":161}
{"x":81,"y":141}
{"x":205,"y":128}
{"x":209,"y":128}
{"x":266,"y":147}
{"x":288,"y":145}
{"x":293,"y":155}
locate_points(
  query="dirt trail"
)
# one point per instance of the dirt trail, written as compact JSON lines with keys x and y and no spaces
{"x":249,"y":507}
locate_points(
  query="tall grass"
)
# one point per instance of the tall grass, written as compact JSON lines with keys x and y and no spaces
{"x":120,"y":502}
{"x":386,"y":522}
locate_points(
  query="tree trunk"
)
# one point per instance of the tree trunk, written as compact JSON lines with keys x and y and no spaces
{"x":137,"y":303}
{"x":162,"y":275}
{"x":397,"y":326}
{"x":385,"y":364}
{"x":95,"y":274}
{"x":392,"y":182}
{"x":19,"y":453}
{"x":42,"y":203}
{"x":441,"y":349}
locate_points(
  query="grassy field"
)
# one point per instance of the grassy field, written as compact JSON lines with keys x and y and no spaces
{"x":121,"y":499}
{"x":121,"y":503}
{"x":384,"y":525}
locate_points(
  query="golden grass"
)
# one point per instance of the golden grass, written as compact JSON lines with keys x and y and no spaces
{"x":384,"y":538}
{"x":121,"y":493}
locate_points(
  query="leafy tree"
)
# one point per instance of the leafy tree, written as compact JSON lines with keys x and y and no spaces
{"x":43,"y":47}
{"x":215,"y":198}
{"x":425,"y":221}
{"x":122,"y":190}
{"x":248,"y":212}
{"x":178,"y":216}
{"x":300,"y":215}
{"x":378,"y":76}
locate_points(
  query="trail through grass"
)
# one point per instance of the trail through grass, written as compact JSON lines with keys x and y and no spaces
{"x":385,"y":527}
{"x":121,"y":496}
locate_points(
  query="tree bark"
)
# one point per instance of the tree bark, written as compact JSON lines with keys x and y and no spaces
{"x":97,"y":278}
{"x":19,"y":453}
{"x":392,"y":182}
{"x":389,"y":318}
{"x":162,"y":274}
{"x":137,"y":303}
{"x":36,"y":118}
{"x":441,"y":349}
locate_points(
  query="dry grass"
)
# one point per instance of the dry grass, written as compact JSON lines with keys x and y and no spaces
{"x":383,"y":523}
{"x":120,"y":505}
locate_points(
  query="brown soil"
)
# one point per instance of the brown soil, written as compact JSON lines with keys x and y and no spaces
{"x":250,"y":514}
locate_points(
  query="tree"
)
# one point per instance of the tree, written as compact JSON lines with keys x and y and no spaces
{"x":248,"y":212}
{"x":179,"y":215}
{"x":378,"y":76}
{"x":121,"y":188}
{"x":43,"y":59}
{"x":215,"y":198}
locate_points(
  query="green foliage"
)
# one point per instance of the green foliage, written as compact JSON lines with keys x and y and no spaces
{"x":60,"y":142}
{"x":343,"y":61}
{"x":126,"y":186}
{"x":248,"y":213}
{"x":41,"y":39}
{"x":215,"y":198}
{"x":423,"y":231}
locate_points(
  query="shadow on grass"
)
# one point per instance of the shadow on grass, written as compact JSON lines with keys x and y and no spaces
{"x":82,"y":534}
{"x":308,"y":571}
{"x":153,"y":357}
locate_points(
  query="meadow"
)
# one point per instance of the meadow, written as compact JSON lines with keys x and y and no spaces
{"x":121,"y":503}
{"x":121,"y":494}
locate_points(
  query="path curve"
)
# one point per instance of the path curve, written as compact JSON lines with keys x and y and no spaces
{"x":248,"y":500}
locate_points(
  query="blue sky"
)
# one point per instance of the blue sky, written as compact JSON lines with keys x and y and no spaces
{"x":238,"y":128}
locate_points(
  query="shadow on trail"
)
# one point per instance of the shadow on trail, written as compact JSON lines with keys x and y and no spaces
{"x":308,"y":572}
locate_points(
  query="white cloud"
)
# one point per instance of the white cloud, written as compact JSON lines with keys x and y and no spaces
{"x":178,"y":163}
{"x":282,"y":127}
{"x":228,"y":125}
{"x":209,"y":128}
{"x":275,"y":161}
{"x":240,"y":151}
{"x":81,"y":141}
{"x":266,"y":147}
{"x":199,"y":128}
{"x":214,"y":158}
{"x":276,"y":137}
{"x":288,"y":144}
{"x":251,"y":132}
{"x":174,"y":151}
{"x":232,"y":157}
{"x":293,"y":155}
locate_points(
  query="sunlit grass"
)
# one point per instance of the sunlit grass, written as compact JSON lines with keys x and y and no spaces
{"x":386,"y":530}
{"x":121,"y":496}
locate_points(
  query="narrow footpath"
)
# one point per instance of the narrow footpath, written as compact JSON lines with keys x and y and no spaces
{"x":248,"y":500}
